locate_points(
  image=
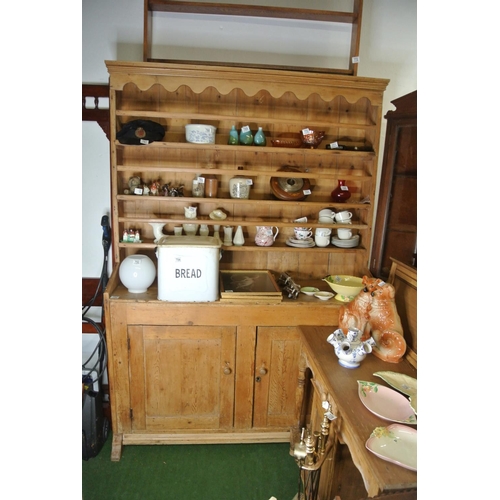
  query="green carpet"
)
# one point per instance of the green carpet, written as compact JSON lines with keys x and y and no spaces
{"x":189,"y":472}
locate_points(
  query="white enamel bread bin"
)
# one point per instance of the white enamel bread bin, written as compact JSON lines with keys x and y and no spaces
{"x":188,"y":268}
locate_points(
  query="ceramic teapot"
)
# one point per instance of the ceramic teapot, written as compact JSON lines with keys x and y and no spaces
{"x":265,"y":236}
{"x":350,"y":349}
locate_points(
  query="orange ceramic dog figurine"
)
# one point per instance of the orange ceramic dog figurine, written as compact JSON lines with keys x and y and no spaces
{"x":374,"y":313}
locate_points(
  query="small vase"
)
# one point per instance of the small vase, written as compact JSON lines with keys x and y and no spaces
{"x":246,"y":136}
{"x":157,"y":230}
{"x":341,"y":193}
{"x":260,"y":138}
{"x":228,"y":236}
{"x":233,"y":137}
{"x":204,"y":231}
{"x":239,"y":239}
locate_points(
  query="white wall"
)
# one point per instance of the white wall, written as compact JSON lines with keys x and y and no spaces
{"x":112,"y":30}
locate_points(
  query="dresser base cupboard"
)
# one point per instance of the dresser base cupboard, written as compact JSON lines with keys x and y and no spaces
{"x":204,"y":372}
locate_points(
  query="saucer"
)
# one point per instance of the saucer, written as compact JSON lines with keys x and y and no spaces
{"x":350,"y":243}
{"x":307,"y":243}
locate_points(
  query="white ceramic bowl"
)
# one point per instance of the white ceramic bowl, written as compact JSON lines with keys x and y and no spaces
{"x":200,"y":134}
{"x":323,"y":295}
{"x":309,"y":290}
{"x":346,"y":287}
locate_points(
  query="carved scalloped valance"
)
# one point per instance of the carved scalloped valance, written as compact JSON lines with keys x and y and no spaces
{"x":250,"y":81}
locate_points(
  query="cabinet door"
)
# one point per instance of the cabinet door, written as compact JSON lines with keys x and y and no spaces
{"x":181,"y":377}
{"x":276,"y":374}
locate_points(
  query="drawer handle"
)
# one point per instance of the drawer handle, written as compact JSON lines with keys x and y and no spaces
{"x":263,"y":370}
{"x":227,"y":370}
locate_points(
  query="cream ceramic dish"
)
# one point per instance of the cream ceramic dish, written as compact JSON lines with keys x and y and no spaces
{"x":396,"y":444}
{"x":309,"y":290}
{"x":200,"y":134}
{"x":386,"y":403}
{"x":402,"y":383}
{"x":217,"y":215}
{"x":323,"y":295}
{"x":346,"y":287}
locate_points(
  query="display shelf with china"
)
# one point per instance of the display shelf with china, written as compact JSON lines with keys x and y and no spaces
{"x":347,"y":109}
{"x":252,"y":399}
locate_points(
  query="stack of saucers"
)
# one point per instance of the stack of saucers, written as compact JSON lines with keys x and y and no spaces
{"x":350,"y":243}
{"x":305,"y":243}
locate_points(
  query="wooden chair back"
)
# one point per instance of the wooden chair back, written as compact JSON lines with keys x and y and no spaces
{"x":404,"y":280}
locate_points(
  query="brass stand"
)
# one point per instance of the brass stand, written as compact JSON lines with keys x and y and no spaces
{"x":311,"y":453}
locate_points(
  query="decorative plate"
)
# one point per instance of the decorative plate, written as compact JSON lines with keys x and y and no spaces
{"x":289,"y":189}
{"x":396,"y":444}
{"x":386,"y":403}
{"x":402,"y":383}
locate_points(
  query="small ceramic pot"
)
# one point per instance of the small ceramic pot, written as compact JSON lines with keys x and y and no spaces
{"x":349,"y":348}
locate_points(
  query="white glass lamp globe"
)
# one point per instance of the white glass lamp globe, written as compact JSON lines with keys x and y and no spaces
{"x":137,"y":273}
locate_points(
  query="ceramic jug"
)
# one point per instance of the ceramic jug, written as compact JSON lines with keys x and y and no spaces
{"x":265,"y":236}
{"x":190,"y":212}
{"x":350,"y":349}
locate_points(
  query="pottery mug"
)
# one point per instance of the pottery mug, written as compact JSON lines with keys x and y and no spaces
{"x":326,"y":220}
{"x":302,"y":233}
{"x":344,"y":234}
{"x":323,"y":231}
{"x":321,"y":240}
{"x":343,"y":216}
{"x":327,"y":212}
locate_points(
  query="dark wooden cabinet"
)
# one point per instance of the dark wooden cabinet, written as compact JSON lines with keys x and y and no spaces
{"x":395,"y":232}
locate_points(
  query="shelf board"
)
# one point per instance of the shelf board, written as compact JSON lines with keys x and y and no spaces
{"x":227,"y":9}
{"x":247,"y":173}
{"x":190,"y":117}
{"x":253,"y":149}
{"x":232,"y":222}
{"x":251,"y":247}
{"x":350,"y":204}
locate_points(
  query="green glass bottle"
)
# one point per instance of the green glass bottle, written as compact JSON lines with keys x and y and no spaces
{"x":233,"y":137}
{"x":246,"y":136}
{"x":259,"y":138}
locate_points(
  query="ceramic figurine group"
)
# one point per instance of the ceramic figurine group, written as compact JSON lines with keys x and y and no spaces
{"x":137,"y":187}
{"x":131,"y":236}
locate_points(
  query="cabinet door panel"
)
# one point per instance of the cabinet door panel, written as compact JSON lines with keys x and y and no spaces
{"x":177,"y":377}
{"x":276,"y":375}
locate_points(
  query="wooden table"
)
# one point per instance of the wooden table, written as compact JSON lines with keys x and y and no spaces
{"x":355,"y":423}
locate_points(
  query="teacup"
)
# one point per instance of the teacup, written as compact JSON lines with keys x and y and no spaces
{"x":343,"y":216}
{"x":321,"y":241}
{"x":325,"y":220}
{"x":302,"y":233}
{"x":323,"y":231}
{"x":344,"y":233}
{"x":326,"y":212}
